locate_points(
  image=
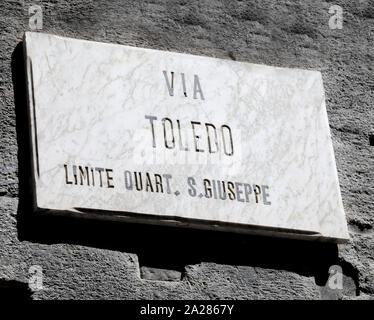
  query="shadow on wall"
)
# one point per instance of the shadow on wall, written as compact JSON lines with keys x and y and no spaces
{"x":16,"y":290}
{"x":156,"y":247}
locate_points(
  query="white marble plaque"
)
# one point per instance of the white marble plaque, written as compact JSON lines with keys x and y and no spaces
{"x":159,"y":137}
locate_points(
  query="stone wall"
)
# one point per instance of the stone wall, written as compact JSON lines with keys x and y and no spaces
{"x":88,"y":259}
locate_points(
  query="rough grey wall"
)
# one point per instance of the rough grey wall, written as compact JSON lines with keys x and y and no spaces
{"x":93,"y":259}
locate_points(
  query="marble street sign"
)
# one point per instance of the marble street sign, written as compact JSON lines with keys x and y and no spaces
{"x":158,"y":137}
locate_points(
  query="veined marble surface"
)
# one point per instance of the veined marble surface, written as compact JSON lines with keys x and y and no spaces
{"x":100,"y":114}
